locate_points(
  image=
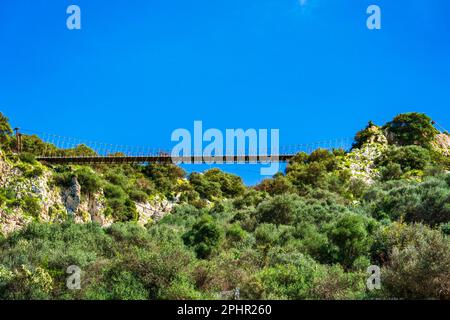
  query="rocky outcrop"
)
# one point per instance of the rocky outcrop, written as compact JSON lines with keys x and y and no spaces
{"x":361,"y":161}
{"x":376,"y":135}
{"x":442,"y":143}
{"x":71,"y":197}
{"x":55,"y":203}
{"x":154,"y":210}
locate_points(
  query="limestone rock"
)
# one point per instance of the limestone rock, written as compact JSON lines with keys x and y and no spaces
{"x":71,"y":197}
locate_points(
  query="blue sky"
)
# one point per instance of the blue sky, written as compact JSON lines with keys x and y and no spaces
{"x":139,"y":69}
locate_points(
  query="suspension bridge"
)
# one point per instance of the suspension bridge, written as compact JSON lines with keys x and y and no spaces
{"x":68,"y":150}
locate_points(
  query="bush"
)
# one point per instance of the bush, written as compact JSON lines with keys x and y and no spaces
{"x":35,"y":146}
{"x":88,"y":180}
{"x":27,"y":157}
{"x":279,"y":184}
{"x":426,"y":202}
{"x":418,"y":265}
{"x":365,"y":135}
{"x":398,"y":160}
{"x":204,"y":237}
{"x":164,"y":176}
{"x":290,"y":281}
{"x":206,"y":189}
{"x":349,"y":238}
{"x":138,"y":196}
{"x":411,"y":128}
{"x":278,"y":210}
{"x":235,"y":233}
{"x":31,"y":206}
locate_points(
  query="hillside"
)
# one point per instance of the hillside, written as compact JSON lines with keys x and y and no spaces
{"x":154,"y":232}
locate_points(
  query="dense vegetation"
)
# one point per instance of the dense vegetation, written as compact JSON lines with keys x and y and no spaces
{"x":308,"y":233}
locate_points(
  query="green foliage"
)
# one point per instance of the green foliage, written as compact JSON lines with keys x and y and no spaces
{"x":165,"y":177}
{"x":278,"y":210}
{"x":31,"y":206}
{"x":411,"y":129}
{"x":230,"y":185}
{"x":399,"y":160}
{"x":349,"y":238}
{"x":215,"y":184}
{"x":35,"y":146}
{"x":235,"y":233}
{"x":290,"y":281}
{"x":88,"y":180}
{"x":445,"y":228}
{"x":206,"y":189}
{"x":78,"y":151}
{"x":5,"y":128}
{"x":5,"y":131}
{"x":204,"y":237}
{"x":322,"y":169}
{"x":27,"y":157}
{"x":426,"y":202}
{"x":418,"y":265}
{"x":279,"y":184}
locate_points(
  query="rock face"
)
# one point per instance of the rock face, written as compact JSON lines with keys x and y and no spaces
{"x":361,"y":162}
{"x":71,"y":197}
{"x":153,"y":211}
{"x":55,"y":203}
{"x":442,"y":143}
{"x":376,"y":136}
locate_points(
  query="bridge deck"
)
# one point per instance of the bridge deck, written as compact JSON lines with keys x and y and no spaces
{"x":163,"y":159}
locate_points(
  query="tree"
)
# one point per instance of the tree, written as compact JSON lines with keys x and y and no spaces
{"x":279,"y":184}
{"x":409,"y":158}
{"x":411,"y":128}
{"x":5,"y":129}
{"x":204,"y":236}
{"x":164,"y":176}
{"x":278,"y":210}
{"x":418,"y":265}
{"x":34,"y":145}
{"x":350,"y":239}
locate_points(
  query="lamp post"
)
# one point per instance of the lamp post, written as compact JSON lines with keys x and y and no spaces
{"x":18,"y":140}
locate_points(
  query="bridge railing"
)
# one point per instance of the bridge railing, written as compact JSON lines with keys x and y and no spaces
{"x":68,"y":147}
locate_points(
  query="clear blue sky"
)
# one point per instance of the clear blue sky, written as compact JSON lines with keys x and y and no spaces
{"x":140,"y":69}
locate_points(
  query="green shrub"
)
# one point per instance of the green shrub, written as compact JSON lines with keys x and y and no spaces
{"x":138,"y":195}
{"x":426,"y":201}
{"x":400,"y":160}
{"x":349,"y":238}
{"x":89,"y":181}
{"x":63,"y":178}
{"x":418,"y":264}
{"x":290,"y":281}
{"x":411,"y":128}
{"x":27,"y":157}
{"x":235,"y":233}
{"x":204,"y":237}
{"x":278,"y":210}
{"x":31,"y":206}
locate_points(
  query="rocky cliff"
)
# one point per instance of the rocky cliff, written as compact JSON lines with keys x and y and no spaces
{"x":31,"y":195}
